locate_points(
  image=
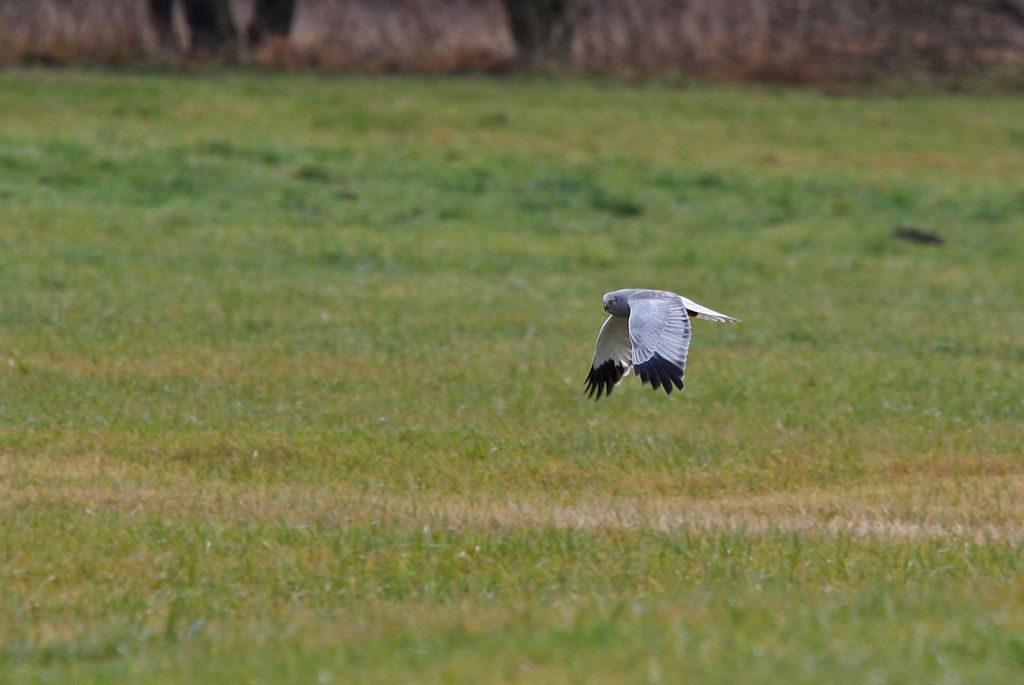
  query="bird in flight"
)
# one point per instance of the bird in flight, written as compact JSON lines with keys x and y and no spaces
{"x":648,"y":332}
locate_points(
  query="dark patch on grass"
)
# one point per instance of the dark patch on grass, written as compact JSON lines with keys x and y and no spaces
{"x":493,"y":120}
{"x":299,"y":203}
{"x":616,"y":205}
{"x":12,"y":162}
{"x":451,"y":213}
{"x":313,"y":172}
{"x":177,"y":220}
{"x":560,"y":191}
{"x":219,"y":148}
{"x":407,"y":216}
{"x":709,"y":181}
{"x":62,"y":179}
{"x":474,"y":181}
{"x":53,"y":282}
{"x":682,"y":180}
{"x":227,"y":150}
{"x":550,"y":192}
{"x":804,"y":336}
{"x":917,"y":235}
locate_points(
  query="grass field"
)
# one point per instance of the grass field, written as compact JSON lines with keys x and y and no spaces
{"x":291,"y":374}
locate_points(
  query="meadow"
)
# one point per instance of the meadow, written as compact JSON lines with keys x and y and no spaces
{"x":291,"y":382}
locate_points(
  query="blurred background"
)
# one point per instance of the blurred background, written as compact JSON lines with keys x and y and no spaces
{"x":793,"y":40}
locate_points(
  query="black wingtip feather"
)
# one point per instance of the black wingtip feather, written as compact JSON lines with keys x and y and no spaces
{"x":660,"y":373}
{"x":655,"y":373}
{"x":669,"y":373}
{"x":602,"y":379}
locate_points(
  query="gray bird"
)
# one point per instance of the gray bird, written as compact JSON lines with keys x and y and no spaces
{"x":648,"y":332}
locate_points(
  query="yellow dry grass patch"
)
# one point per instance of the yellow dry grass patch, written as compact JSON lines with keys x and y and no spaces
{"x":973,"y":507}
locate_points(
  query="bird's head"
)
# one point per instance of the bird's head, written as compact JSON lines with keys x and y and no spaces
{"x":617,"y":303}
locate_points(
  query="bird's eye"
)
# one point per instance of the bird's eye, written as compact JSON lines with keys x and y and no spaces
{"x":613,"y":300}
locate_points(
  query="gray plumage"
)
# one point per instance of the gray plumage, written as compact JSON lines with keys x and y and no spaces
{"x":647,"y":332}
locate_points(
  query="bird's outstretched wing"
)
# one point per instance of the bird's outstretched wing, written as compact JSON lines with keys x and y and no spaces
{"x":659,"y":329}
{"x":612,"y":357}
{"x":702,"y":312}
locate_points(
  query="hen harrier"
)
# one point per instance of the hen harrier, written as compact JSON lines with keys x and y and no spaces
{"x":649,"y":332}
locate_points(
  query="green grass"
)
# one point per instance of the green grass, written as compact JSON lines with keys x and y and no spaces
{"x":291,"y":374}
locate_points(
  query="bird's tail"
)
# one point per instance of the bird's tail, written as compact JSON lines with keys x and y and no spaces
{"x":702,"y":312}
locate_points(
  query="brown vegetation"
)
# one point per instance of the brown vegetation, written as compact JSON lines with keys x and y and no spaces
{"x":779,"y":39}
{"x":62,"y":30}
{"x":788,"y":39}
{"x":411,"y":35}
